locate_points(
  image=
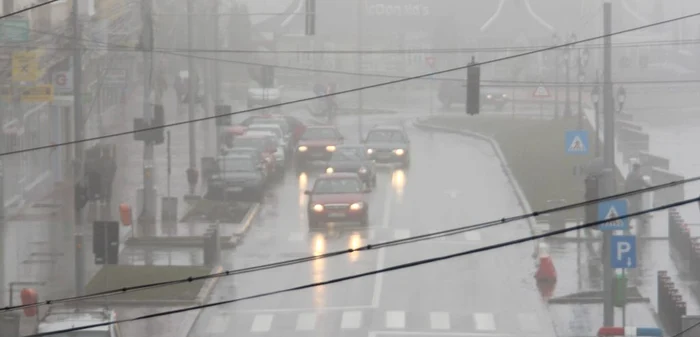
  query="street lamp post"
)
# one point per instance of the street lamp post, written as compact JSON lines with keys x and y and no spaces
{"x":555,"y":38}
{"x":621,"y":97}
{"x":567,"y":64}
{"x":595,"y":97}
{"x":582,"y":63}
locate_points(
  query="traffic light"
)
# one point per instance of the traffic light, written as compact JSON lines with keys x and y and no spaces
{"x":267,"y":76}
{"x":158,"y":120}
{"x":80,"y":195}
{"x":592,"y":192}
{"x":223,"y":115}
{"x":620,"y":290}
{"x":105,"y":242}
{"x":473,"y":88}
{"x":310,"y":27}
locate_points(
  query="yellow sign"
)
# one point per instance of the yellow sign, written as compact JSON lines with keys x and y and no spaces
{"x":40,"y":93}
{"x":25,"y":66}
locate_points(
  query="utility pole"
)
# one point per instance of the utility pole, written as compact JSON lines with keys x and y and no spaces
{"x":217,"y":78}
{"x":148,"y":215}
{"x":79,"y":125}
{"x":360,"y":102}
{"x":608,"y":158}
{"x":7,"y":7}
{"x":192,"y":95}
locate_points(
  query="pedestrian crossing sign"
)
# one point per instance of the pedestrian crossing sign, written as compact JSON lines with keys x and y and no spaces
{"x":610,"y":210}
{"x":577,"y":142}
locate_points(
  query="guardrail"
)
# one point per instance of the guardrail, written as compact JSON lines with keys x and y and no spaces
{"x":671,"y":307}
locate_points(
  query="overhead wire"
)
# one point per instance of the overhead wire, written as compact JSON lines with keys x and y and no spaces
{"x":341,"y":92}
{"x":28,"y":8}
{"x":402,"y":266}
{"x":380,"y":245}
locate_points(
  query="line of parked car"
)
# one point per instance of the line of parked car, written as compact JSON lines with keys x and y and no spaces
{"x":257,"y":152}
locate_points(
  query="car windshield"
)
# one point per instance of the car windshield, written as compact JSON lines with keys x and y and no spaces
{"x":256,"y":143}
{"x":385,"y":137}
{"x":348,"y":154}
{"x":319,"y":133}
{"x":236,"y":164}
{"x":337,"y":185}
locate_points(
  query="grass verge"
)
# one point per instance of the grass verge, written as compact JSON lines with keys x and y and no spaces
{"x":536,"y":154}
{"x":117,"y":276}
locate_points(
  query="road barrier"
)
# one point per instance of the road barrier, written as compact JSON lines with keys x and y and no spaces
{"x":680,"y":241}
{"x":671,"y":307}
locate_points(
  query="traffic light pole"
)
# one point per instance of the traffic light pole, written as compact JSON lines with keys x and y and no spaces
{"x":147,"y":217}
{"x":217,"y":79}
{"x":360,"y":99}
{"x":608,"y":157}
{"x":79,"y":125}
{"x":192,"y":95}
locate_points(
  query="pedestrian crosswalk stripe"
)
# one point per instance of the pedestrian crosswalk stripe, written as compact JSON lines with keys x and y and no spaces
{"x":395,"y":319}
{"x":351,"y":320}
{"x":529,"y":322}
{"x":439,"y":320}
{"x":401,"y":234}
{"x":306,"y":321}
{"x":484,"y":321}
{"x":218,"y":324}
{"x":472,"y":236}
{"x":262,"y":323}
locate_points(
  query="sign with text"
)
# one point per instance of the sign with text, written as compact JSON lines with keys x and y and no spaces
{"x":40,"y":93}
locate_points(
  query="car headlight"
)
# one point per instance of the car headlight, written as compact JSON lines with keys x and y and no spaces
{"x":318,"y":208}
{"x":489,"y":96}
{"x":370,"y":151}
{"x":399,"y":152}
{"x":356,"y":206}
{"x":303,"y":148}
{"x":363,"y":170}
{"x":330,"y":148}
{"x":329,"y":170}
{"x":504,"y":95}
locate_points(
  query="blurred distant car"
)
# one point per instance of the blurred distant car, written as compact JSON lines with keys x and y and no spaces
{"x":240,"y":177}
{"x":262,"y":157}
{"x":277,"y":130}
{"x":264,"y":144}
{"x":353,"y":159}
{"x":317,"y":144}
{"x":338,"y":197}
{"x":278,"y":154}
{"x":451,"y":92}
{"x":388,"y":144}
{"x":292,"y":127}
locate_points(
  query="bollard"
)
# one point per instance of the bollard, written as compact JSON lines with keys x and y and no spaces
{"x":125,"y":214}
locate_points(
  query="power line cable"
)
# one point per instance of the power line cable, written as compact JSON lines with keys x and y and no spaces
{"x":386,"y":244}
{"x":400,"y":80}
{"x":28,"y":8}
{"x":378,"y":271}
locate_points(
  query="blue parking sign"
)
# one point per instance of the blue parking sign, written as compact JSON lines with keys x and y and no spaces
{"x":623,"y":251}
{"x":576,"y":142}
{"x":610,"y":210}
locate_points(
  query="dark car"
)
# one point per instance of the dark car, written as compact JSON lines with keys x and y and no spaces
{"x":240,"y":177}
{"x":451,"y":92}
{"x":389,"y":145}
{"x":264,"y":145}
{"x":353,"y":159}
{"x":262,"y":157}
{"x":338,"y":197}
{"x":317,"y":144}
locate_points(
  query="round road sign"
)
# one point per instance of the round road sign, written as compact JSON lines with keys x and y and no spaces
{"x":61,"y":79}
{"x":430,"y":60}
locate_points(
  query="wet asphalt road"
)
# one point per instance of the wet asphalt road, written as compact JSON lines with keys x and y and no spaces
{"x":453,"y":181}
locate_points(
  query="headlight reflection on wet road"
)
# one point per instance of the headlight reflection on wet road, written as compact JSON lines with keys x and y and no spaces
{"x":318,"y":270}
{"x":303,"y":184}
{"x":398,"y":182}
{"x":355,"y":242}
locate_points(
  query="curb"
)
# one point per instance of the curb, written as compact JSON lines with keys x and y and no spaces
{"x":247,"y":222}
{"x":524,"y":204}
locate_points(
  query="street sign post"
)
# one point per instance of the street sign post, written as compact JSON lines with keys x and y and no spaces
{"x":610,"y":210}
{"x":62,"y":82}
{"x":623,"y":251}
{"x":576,"y":142}
{"x":115,"y":77}
{"x":25,"y":66}
{"x":540,"y":92}
{"x":39,"y":93}
{"x":14,"y":30}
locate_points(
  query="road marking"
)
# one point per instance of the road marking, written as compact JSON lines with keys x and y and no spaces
{"x":437,"y":334}
{"x":378,"y":279}
{"x":484,"y":321}
{"x":472,"y":236}
{"x":401,"y":234}
{"x":529,"y":322}
{"x":440,"y":320}
{"x":262,"y":323}
{"x":296,"y":236}
{"x":218,"y":324}
{"x":297,"y":310}
{"x":351,"y":320}
{"x":306,"y":321}
{"x":395,"y":319}
{"x":388,"y":200}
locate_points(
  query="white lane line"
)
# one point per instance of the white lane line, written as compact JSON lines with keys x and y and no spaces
{"x":440,"y":320}
{"x":529,"y":322}
{"x":401,"y":234}
{"x":262,"y":323}
{"x":472,"y":236}
{"x":297,"y":236}
{"x":351,"y":320}
{"x":388,"y":200}
{"x":395,"y":319}
{"x":218,"y":324}
{"x":306,"y":321}
{"x":485,"y":321}
{"x":378,"y":279}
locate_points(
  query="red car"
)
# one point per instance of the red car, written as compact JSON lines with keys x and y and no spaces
{"x":338,"y":197}
{"x":292,"y":127}
{"x":317,"y":144}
